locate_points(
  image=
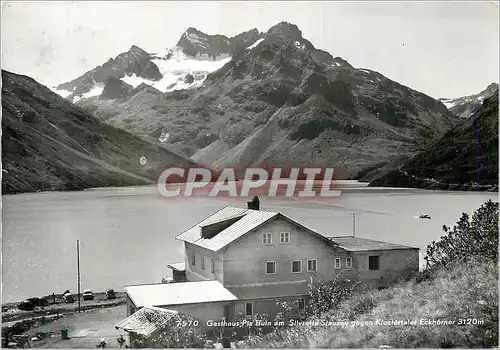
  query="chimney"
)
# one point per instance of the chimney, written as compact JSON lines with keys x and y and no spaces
{"x":254,"y":204}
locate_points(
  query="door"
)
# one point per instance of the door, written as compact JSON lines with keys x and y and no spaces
{"x":229,"y":312}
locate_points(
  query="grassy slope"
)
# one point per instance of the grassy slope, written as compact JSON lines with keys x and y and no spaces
{"x":50,"y":144}
{"x":465,"y":291}
{"x":453,"y":160}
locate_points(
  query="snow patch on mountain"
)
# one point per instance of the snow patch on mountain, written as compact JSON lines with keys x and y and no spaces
{"x":134,"y":81}
{"x":464,"y":106}
{"x":60,"y":92}
{"x":95,"y":91}
{"x":255,"y":44}
{"x":448,"y":102}
{"x":174,"y":65}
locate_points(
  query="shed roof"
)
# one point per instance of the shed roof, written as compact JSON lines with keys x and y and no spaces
{"x":355,"y":244}
{"x":165,"y":294}
{"x":248,"y":220}
{"x":270,"y":290}
{"x":180,"y":266}
{"x":146,"y":320}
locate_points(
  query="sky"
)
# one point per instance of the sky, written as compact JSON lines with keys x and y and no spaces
{"x":443,"y":49}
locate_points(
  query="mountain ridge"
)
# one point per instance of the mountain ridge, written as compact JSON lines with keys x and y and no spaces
{"x":50,"y":144}
{"x":466,"y":157}
{"x":464,"y":106}
{"x":196,"y":43}
{"x":311,"y":105}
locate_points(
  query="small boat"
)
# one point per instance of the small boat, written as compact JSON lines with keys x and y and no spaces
{"x":424,"y":216}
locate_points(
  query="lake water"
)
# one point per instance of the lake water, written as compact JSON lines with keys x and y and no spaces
{"x":127,"y":234}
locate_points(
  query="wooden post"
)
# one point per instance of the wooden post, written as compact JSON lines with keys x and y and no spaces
{"x":354,"y":224}
{"x":78,"y":268}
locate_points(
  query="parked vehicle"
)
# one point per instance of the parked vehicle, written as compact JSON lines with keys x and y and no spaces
{"x":88,"y":295}
{"x":26,"y":305}
{"x":110,"y":294}
{"x":31,"y":303}
{"x":68,"y":297}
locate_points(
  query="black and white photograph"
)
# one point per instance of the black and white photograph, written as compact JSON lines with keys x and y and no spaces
{"x":249,"y":174}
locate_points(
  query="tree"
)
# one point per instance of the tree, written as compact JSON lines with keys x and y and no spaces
{"x":470,"y":237}
{"x":121,"y":341}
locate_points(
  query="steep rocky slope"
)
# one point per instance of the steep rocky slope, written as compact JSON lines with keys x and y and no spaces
{"x":466,"y":157}
{"x":50,"y":144}
{"x":136,"y":62}
{"x":283,"y":101}
{"x":463,"y":107}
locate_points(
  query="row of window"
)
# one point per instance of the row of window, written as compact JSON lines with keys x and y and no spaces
{"x":296,"y":265}
{"x":312,"y":265}
{"x":267,"y":238}
{"x":249,"y":307}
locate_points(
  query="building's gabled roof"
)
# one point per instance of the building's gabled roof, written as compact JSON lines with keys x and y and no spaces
{"x":355,"y":244}
{"x":249,"y":220}
{"x":146,"y":320}
{"x":165,"y":294}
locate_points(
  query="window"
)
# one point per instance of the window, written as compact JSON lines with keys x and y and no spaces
{"x":296,"y":266}
{"x":301,"y":304}
{"x":267,"y":238}
{"x":337,"y":263}
{"x":285,"y":237}
{"x":348,"y":262}
{"x":270,"y":267}
{"x":213,"y":265}
{"x":312,"y":265}
{"x":249,"y":309}
{"x":193,"y":258}
{"x":203,"y":263}
{"x":373,"y":263}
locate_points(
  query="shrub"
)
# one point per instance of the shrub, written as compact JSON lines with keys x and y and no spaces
{"x":476,"y":236}
{"x":325,"y":296}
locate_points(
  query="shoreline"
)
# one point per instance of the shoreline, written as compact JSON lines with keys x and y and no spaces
{"x":351,"y":186}
{"x":11,"y":314}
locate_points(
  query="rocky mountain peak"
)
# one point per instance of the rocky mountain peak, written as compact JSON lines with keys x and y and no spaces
{"x":137,"y":49}
{"x":285,"y":30}
{"x":285,"y":34}
{"x":192,"y":30}
{"x":490,"y":89}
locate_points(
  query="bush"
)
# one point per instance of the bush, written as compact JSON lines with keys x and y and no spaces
{"x":470,"y":237}
{"x":325,"y":296}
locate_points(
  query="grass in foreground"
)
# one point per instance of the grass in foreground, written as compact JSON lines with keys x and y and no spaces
{"x":461,"y":291}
